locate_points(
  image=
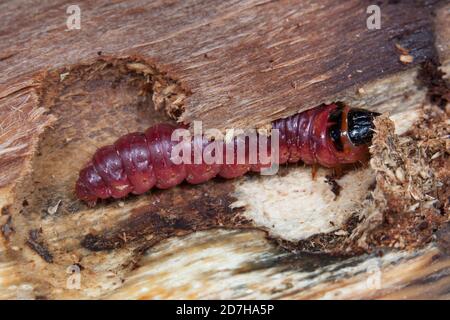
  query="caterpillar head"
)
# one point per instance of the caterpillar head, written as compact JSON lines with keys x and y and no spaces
{"x":351,"y":131}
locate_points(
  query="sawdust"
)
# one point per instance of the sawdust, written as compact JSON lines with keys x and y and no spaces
{"x":410,"y":200}
{"x":168,"y":94}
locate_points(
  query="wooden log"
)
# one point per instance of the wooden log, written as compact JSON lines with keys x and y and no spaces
{"x":229,"y":64}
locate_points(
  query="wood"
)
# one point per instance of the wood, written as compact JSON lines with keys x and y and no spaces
{"x":227,"y":63}
{"x":242,"y":63}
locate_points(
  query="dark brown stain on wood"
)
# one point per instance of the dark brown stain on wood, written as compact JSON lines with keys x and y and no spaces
{"x":173,"y":212}
{"x":36,"y":243}
{"x":443,"y":238}
{"x":7,"y":228}
{"x":438,"y":88}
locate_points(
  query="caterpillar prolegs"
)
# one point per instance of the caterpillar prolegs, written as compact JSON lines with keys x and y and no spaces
{"x":328,"y":135}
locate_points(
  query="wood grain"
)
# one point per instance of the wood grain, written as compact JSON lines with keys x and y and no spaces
{"x":250,"y":61}
{"x":260,"y":271}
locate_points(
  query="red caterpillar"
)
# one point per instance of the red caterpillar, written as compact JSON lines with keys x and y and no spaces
{"x":329,"y":135}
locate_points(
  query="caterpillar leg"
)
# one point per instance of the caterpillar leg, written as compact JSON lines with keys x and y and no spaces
{"x":314,"y":168}
{"x":338,"y":172}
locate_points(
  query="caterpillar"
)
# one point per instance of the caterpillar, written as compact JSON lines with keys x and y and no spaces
{"x":329,"y":135}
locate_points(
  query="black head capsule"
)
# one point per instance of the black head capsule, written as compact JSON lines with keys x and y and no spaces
{"x":360,"y":126}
